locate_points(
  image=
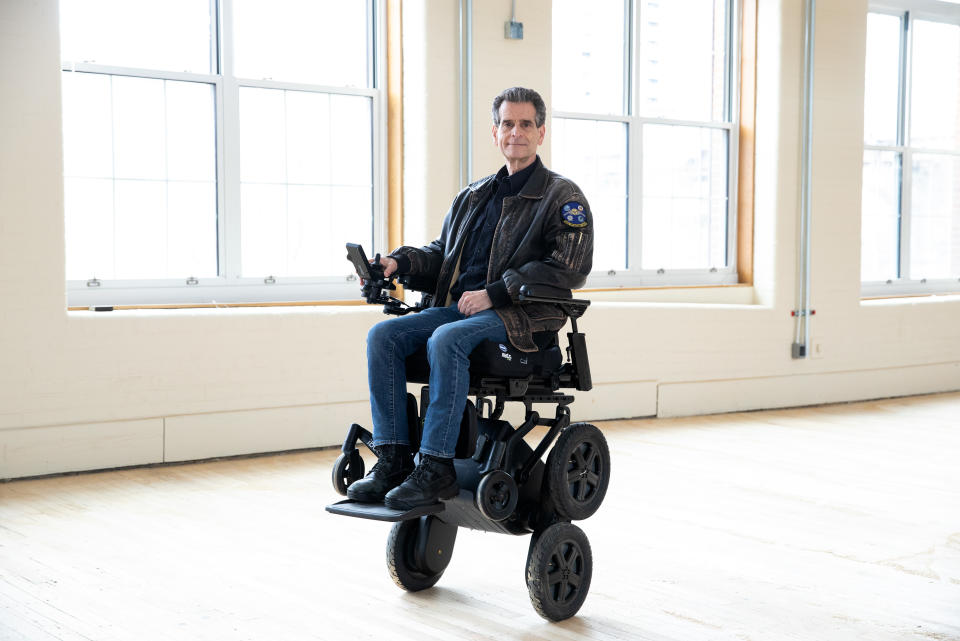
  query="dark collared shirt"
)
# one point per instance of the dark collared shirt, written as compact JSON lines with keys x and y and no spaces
{"x":476,"y":250}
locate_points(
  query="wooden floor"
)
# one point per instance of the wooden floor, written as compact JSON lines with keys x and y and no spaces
{"x":829,"y":523}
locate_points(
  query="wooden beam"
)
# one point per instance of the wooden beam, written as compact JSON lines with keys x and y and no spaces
{"x":394,"y":124}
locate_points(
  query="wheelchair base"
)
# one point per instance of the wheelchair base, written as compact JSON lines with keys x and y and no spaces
{"x":380,"y":512}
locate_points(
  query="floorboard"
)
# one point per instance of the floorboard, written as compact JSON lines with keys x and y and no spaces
{"x":827,"y":523}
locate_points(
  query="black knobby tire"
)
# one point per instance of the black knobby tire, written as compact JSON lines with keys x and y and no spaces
{"x":559,"y":569}
{"x":346,"y":470}
{"x":497,"y":495}
{"x":401,"y":546}
{"x":578,"y":471}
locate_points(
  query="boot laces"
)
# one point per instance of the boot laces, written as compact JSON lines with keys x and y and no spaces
{"x":426,"y":470}
{"x":385,"y":464}
{"x":418,"y":473}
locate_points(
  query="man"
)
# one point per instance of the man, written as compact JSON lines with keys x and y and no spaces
{"x":524,"y":225}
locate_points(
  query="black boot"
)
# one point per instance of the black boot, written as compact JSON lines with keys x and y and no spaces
{"x":394,"y":463}
{"x":434,"y":478}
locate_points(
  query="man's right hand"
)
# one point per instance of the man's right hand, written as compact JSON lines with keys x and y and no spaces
{"x":389,"y":265}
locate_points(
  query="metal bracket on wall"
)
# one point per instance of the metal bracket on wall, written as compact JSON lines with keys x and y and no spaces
{"x":513,"y":30}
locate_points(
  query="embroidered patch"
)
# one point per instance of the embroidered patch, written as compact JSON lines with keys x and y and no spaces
{"x":573,"y":215}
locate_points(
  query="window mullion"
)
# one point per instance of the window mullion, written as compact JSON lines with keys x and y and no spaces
{"x":733,"y":181}
{"x":113,"y":177}
{"x":634,"y":146}
{"x":732,"y":100}
{"x":633,"y":44}
{"x":903,"y":111}
{"x":903,"y":132}
{"x":634,"y":194}
{"x":216,"y":62}
{"x":906,"y":221}
{"x":229,"y":146}
{"x":629,"y":58}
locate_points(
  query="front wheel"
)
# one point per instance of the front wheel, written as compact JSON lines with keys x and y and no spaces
{"x":347,"y":469}
{"x":418,"y":551}
{"x":559,"y":569}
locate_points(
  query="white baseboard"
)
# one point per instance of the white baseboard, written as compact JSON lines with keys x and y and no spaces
{"x":202,"y":436}
{"x":738,"y":395}
{"x":38,"y":451}
{"x":616,"y":400}
{"x":35,"y":451}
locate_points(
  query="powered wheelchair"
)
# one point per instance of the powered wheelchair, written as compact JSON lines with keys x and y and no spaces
{"x":505,"y":486}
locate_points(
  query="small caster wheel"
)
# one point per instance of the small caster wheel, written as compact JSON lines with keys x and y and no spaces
{"x":497,"y":495}
{"x":347,"y":469}
{"x":578,"y":471}
{"x":418,"y":551}
{"x":559,"y":568}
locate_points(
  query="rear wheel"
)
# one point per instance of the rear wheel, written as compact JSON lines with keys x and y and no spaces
{"x":559,"y":569}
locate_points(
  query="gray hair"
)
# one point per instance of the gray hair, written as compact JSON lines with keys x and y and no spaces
{"x":520,"y":94}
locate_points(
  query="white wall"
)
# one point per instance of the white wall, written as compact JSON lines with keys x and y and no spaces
{"x":86,"y":391}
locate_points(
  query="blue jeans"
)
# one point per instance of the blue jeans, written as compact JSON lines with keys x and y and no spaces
{"x":450,"y":337}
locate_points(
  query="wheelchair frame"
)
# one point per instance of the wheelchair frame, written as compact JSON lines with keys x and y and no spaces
{"x":505,"y":486}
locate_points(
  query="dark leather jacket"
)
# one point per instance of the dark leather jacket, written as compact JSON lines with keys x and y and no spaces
{"x":538,"y":241}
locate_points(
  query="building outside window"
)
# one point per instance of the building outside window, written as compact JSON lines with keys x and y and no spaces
{"x":645,"y":121}
{"x":221,"y":150}
{"x":910,"y":239}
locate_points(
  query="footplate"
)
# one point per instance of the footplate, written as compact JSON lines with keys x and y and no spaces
{"x":380,"y":512}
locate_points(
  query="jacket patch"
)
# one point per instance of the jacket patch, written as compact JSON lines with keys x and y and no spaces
{"x":573,"y":214}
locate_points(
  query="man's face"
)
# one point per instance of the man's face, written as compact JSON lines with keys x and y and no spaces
{"x":518,"y":136}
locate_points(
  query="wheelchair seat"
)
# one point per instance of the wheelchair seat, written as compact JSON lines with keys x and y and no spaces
{"x":495,"y":359}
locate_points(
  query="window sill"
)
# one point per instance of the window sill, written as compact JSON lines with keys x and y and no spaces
{"x":235,"y":310}
{"x":910,"y":299}
{"x":702,"y":295}
{"x":738,"y":295}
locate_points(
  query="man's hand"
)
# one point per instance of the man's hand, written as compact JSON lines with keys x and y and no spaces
{"x":389,"y":265}
{"x":471,"y":303}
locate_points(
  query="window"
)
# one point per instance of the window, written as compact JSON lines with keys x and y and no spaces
{"x":220,"y":150}
{"x":910,"y":240}
{"x":645,"y":121}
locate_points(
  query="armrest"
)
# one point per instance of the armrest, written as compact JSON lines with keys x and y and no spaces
{"x":575,"y":307}
{"x":545,"y":291}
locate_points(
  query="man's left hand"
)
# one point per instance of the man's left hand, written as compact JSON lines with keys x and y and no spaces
{"x":471,"y":303}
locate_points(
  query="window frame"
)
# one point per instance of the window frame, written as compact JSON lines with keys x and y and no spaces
{"x":633,"y":276}
{"x":228,"y":286}
{"x":908,"y":11}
